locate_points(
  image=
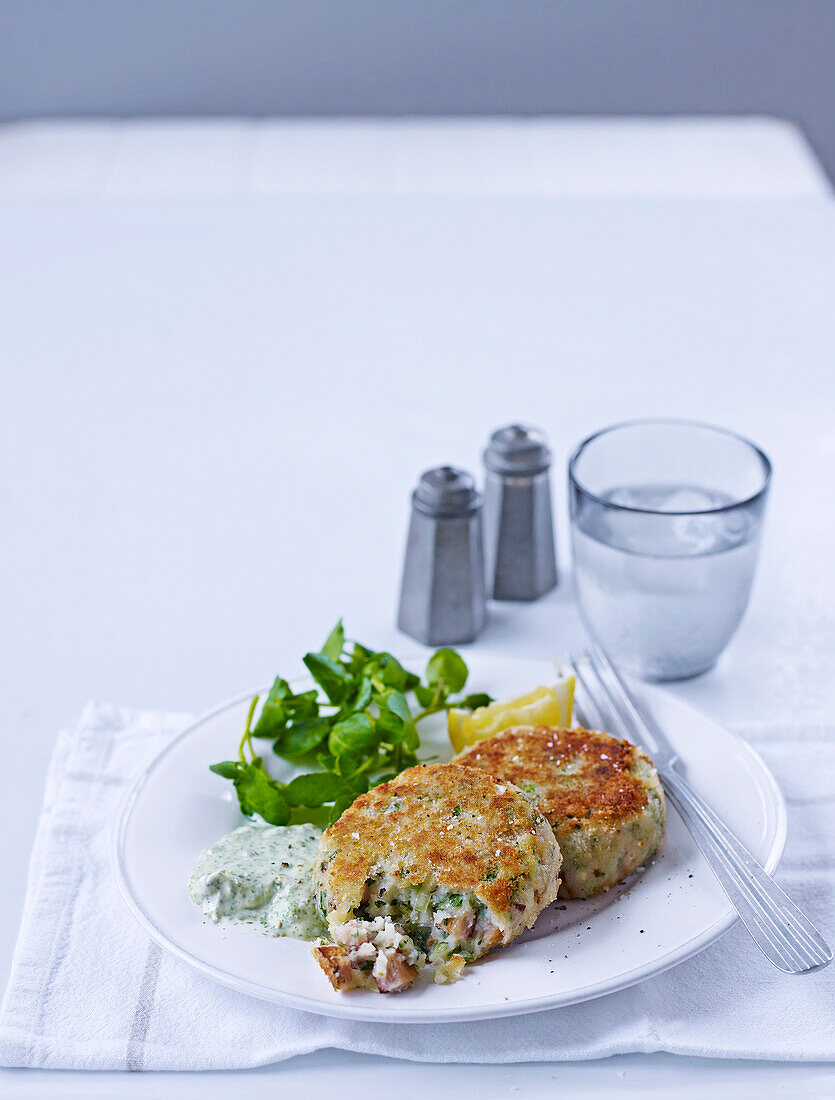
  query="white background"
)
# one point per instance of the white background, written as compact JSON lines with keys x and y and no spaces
{"x":213,"y":412}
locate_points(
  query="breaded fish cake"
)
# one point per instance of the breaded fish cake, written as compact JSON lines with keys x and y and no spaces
{"x":445,"y":855}
{"x":602,"y":796}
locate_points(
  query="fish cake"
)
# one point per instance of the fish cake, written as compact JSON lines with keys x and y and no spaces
{"x":444,"y":855}
{"x":602,"y":797}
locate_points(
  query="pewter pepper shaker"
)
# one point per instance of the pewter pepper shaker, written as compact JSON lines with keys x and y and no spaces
{"x":442,"y":595}
{"x":518,"y":529}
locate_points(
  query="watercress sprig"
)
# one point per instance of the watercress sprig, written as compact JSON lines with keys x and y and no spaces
{"x":356,"y":726}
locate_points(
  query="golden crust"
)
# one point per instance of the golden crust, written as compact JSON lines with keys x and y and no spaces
{"x":601,"y":796}
{"x":577,"y":772}
{"x":443,"y":823}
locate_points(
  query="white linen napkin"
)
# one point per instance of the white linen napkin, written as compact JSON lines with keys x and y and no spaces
{"x":89,"y":990}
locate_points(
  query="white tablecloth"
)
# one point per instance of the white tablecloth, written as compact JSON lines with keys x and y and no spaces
{"x":90,"y":990}
{"x":387,"y":158}
{"x":212,"y":413}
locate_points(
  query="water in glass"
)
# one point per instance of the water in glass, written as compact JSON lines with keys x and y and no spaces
{"x":664,"y":593}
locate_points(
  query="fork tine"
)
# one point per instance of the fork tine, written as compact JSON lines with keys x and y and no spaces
{"x":591,"y":705}
{"x":606,"y":674}
{"x":581,"y":714}
{"x":643,"y":729}
{"x":619,"y":718}
{"x":565,"y":667}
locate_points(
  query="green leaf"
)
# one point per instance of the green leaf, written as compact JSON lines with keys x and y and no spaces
{"x":339,"y":808}
{"x":281,"y":707}
{"x":396,"y":702}
{"x":424,"y":695}
{"x":326,"y":761}
{"x":447,"y":668}
{"x":360,"y":657}
{"x":330,"y":676}
{"x":259,"y":794}
{"x":473,"y":702}
{"x":358,"y":783}
{"x":274,"y":712}
{"x":280,"y":690}
{"x":304,"y":705}
{"x":227,"y":768}
{"x":302,"y":738}
{"x":347,"y":764}
{"x":410,"y":760}
{"x":353,"y":735}
{"x":316,"y":788}
{"x":363,"y":696}
{"x":391,"y":672}
{"x":332,"y":649}
{"x":396,"y":720}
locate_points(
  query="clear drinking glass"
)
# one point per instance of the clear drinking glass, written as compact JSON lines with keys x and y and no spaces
{"x":665,"y":528}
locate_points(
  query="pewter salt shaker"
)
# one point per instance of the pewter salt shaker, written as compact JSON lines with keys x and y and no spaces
{"x":442,"y":595}
{"x":518,"y":528}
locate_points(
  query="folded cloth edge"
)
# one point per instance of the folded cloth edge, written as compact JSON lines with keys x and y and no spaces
{"x":25,"y":1048}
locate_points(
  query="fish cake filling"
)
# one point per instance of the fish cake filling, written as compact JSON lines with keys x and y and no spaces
{"x":453,"y":861}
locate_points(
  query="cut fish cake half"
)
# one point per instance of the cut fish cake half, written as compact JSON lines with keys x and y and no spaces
{"x":602,"y":797}
{"x":437,"y":866}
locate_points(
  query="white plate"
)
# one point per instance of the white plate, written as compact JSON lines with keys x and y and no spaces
{"x":576,"y":951}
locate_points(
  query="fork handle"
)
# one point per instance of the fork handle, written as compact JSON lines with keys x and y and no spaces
{"x":781,"y":931}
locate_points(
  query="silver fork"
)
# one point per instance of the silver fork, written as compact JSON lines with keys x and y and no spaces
{"x":782,"y":932}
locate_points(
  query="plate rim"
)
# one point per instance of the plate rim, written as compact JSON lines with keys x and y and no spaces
{"x":433,"y":1016}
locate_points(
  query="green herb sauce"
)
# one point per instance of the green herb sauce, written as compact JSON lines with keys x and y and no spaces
{"x":261,"y":875}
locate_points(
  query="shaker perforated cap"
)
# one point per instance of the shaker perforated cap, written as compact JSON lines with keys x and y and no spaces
{"x":446,"y":491}
{"x":517,"y":449}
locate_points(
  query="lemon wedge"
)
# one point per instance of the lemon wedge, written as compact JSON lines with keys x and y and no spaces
{"x":544,"y":706}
